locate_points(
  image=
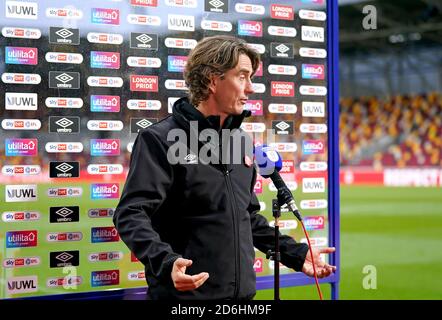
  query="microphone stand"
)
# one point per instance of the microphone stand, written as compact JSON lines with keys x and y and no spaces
{"x":275,"y":255}
{"x":284,"y":197}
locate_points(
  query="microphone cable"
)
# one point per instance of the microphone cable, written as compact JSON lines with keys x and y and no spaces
{"x":313,"y":261}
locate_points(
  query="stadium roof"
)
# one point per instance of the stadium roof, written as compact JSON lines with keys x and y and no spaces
{"x":399,"y":23}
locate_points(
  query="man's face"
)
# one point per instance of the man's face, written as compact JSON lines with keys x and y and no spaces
{"x":231,"y":92}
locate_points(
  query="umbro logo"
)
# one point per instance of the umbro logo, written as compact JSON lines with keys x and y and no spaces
{"x":191,"y":159}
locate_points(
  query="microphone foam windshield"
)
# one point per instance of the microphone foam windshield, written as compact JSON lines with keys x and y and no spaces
{"x":267,"y":160}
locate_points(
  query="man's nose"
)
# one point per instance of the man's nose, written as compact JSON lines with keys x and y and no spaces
{"x":249,"y":87}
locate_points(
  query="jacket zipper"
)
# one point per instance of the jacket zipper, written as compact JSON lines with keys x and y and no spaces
{"x":235,"y":234}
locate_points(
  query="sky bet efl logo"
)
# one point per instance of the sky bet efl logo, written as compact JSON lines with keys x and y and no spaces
{"x":105,"y":191}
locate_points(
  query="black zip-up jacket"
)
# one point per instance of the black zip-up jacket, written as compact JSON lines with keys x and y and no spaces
{"x":204,"y":212}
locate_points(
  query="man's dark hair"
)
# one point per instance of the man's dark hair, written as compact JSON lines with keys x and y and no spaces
{"x":214,"y":56}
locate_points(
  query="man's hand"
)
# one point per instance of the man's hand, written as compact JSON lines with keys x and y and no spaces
{"x":183,"y":281}
{"x":322,"y":269}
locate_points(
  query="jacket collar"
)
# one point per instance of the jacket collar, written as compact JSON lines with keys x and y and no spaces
{"x":184,"y":112}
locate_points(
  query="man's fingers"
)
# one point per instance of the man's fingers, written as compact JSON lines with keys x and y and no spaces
{"x":180,"y":262}
{"x":193,"y":283}
{"x":185,"y":279}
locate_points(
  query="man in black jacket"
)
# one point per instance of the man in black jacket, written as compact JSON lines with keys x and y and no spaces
{"x":188,"y":210}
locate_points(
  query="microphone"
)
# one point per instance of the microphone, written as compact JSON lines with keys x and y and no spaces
{"x":269,"y":163}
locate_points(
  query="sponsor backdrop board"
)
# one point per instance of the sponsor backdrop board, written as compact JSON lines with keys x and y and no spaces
{"x":79,"y":79}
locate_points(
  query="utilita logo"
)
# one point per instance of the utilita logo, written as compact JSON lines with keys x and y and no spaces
{"x":105,"y":278}
{"x":105,"y":60}
{"x":105,"y":147}
{"x":105,"y":191}
{"x":104,"y":234}
{"x":99,"y":103}
{"x":314,"y":223}
{"x":20,"y":239}
{"x":21,"y":55}
{"x":313,"y":71}
{"x":176,"y":63}
{"x":21,"y":147}
{"x":250,"y":28}
{"x":257,"y":265}
{"x":313,"y":147}
{"x":282,"y":12}
{"x":255,"y":106}
{"x":105,"y":16}
{"x":144,"y":83}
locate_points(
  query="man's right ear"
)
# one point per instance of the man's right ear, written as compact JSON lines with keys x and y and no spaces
{"x":213,"y":83}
